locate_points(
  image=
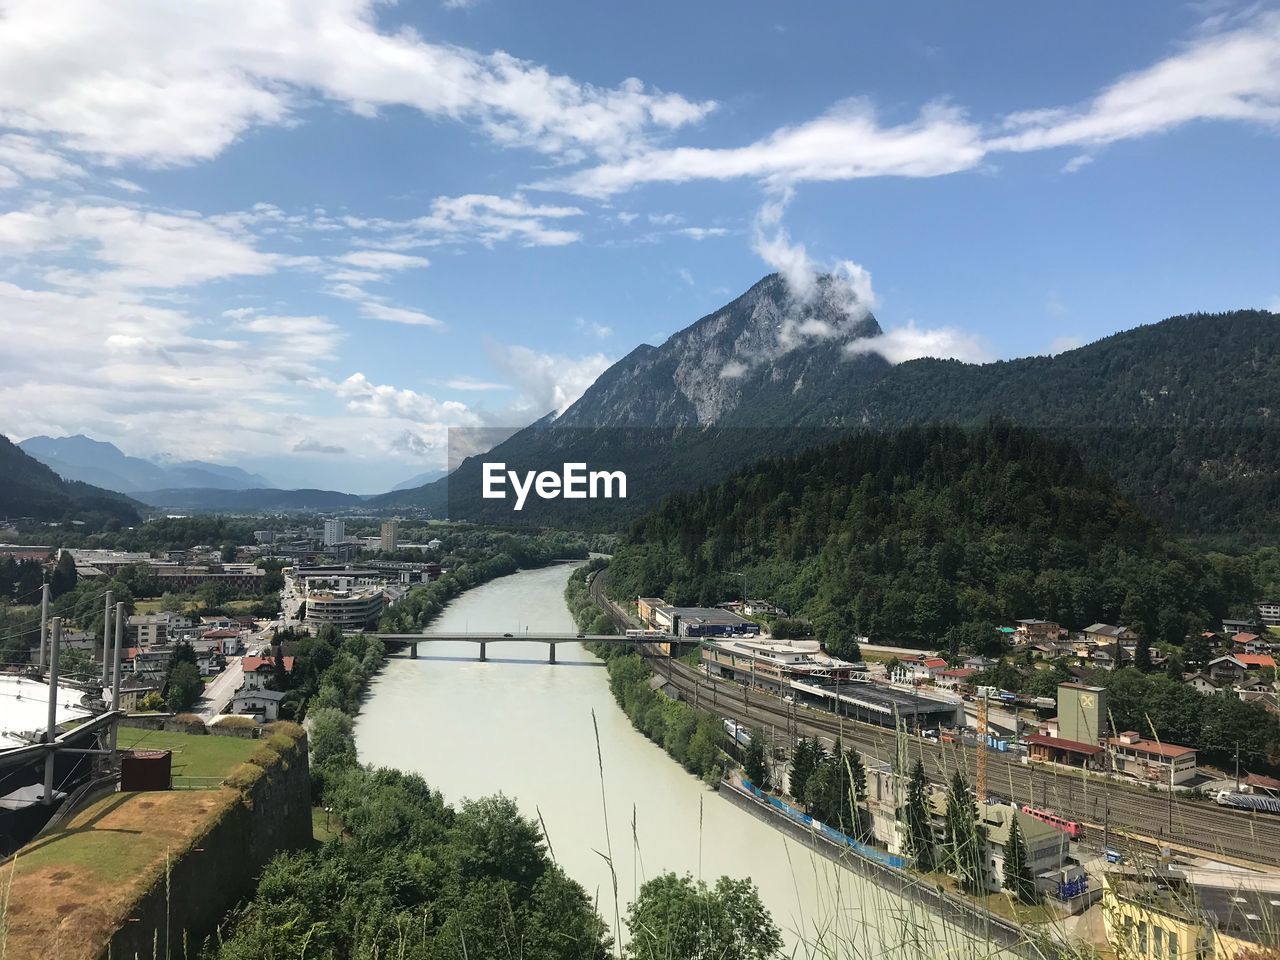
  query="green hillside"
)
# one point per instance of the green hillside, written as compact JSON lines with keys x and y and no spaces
{"x":30,"y":489}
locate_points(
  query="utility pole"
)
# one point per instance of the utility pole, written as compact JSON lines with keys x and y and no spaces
{"x":106,"y":637}
{"x":44,"y":625}
{"x":51,"y":730}
{"x":1237,"y":766}
{"x":115,"y":672}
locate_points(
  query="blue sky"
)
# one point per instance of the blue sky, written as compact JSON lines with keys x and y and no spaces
{"x":307,"y":236}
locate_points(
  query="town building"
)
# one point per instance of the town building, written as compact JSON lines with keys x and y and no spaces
{"x":979,"y":663}
{"x":956,"y":678}
{"x":434,"y":544}
{"x":1203,"y":683}
{"x":1231,"y":627}
{"x":155,"y":629}
{"x":922,"y":667}
{"x":1037,"y":630}
{"x":1248,"y":643}
{"x":1108,"y":633}
{"x":390,"y":535}
{"x":263,"y":703}
{"x":693,"y":621}
{"x":335,"y":532}
{"x":258,"y":671}
{"x":1269,"y":612}
{"x":346,"y":610}
{"x":1075,"y":735}
{"x":1165,"y":916}
{"x":1151,"y":760}
{"x":774,"y":663}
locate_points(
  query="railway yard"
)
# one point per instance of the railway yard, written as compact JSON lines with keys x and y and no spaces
{"x":1115,"y":813}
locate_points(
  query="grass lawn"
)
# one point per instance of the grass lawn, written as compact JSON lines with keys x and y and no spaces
{"x":193,"y":755}
{"x":324,"y":826}
{"x":72,"y":888}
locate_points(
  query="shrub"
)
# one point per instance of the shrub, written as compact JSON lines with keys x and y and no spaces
{"x":244,"y":776}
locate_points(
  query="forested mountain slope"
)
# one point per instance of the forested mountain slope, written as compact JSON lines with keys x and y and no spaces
{"x":924,"y":535}
{"x":30,"y":489}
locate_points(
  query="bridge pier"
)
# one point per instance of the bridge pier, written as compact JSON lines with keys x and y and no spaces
{"x":483,"y":655}
{"x":552,"y":657}
{"x":413,"y":651}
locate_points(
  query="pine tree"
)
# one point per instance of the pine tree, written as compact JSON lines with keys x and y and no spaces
{"x":804,"y":760}
{"x":755,"y":762}
{"x":918,"y":819}
{"x":964,"y":854}
{"x":1017,"y":874}
{"x":857,"y":771}
{"x":63,"y":579}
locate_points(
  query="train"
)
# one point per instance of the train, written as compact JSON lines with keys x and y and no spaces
{"x":1072,"y":828}
{"x":1248,"y":801}
{"x":644,"y":634}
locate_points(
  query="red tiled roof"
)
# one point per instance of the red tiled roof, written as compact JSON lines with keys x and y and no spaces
{"x":1255,"y":660}
{"x":934,"y":662}
{"x":1244,"y":637}
{"x":254,"y":664}
{"x":959,"y":673}
{"x":1152,"y":748}
{"x":1067,"y":746}
{"x":223,"y":634}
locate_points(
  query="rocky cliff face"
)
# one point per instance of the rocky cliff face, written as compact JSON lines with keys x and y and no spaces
{"x":766,"y":358}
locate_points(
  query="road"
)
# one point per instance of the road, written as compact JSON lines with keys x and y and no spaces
{"x":219,"y":691}
{"x":1107,"y":806}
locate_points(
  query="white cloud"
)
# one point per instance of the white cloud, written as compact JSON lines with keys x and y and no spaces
{"x":128,"y":186}
{"x":376,"y":310}
{"x":476,"y":218}
{"x":377,"y":260}
{"x":382,"y":400}
{"x":1078,"y":162}
{"x":684,"y":274}
{"x":471,"y":383}
{"x":29,"y":157}
{"x":172,"y":83}
{"x":1229,"y":75}
{"x":548,"y":381}
{"x":846,"y":143}
{"x":598,"y":330}
{"x":138,"y":248}
{"x":701,"y":233}
{"x":911,"y":342}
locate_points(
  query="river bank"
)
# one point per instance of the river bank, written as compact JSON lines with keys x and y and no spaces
{"x":615,"y":809}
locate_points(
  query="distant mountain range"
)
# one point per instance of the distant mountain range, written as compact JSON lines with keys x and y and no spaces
{"x":1181,"y":412}
{"x":105,"y":465}
{"x":28,"y":488}
{"x":199,"y":499}
{"x":417,"y":481}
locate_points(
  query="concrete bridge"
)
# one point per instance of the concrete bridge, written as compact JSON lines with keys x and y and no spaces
{"x":399,"y":641}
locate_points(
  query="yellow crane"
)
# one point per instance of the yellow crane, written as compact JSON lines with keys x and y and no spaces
{"x":980,"y":788}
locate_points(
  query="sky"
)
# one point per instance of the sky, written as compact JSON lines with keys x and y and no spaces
{"x":308,"y":236}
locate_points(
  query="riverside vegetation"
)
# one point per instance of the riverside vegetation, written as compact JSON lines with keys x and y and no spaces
{"x":407,"y":875}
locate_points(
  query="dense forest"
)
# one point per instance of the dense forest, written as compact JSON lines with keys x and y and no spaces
{"x":925,"y":536}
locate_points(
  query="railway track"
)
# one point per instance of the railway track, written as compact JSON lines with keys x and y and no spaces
{"x":1108,"y":808}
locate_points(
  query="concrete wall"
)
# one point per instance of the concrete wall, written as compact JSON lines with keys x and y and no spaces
{"x":273,"y":813}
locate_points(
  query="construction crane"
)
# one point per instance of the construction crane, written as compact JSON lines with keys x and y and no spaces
{"x":980,"y":788}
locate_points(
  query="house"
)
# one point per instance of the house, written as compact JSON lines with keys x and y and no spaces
{"x":1107,"y":656}
{"x":1231,"y":627}
{"x":1256,"y":661}
{"x":1227,"y":670}
{"x":1269,"y":612}
{"x":1151,"y":760}
{"x":258,"y":671}
{"x":1268,"y":699}
{"x":979,"y":663}
{"x":1203,"y":683}
{"x":1108,"y":633}
{"x":1037,"y":630}
{"x":1248,"y":643}
{"x":923,"y":668}
{"x":1047,"y":847}
{"x":955,"y":678}
{"x":264,"y":703}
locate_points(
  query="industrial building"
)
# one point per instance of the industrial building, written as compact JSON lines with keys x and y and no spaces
{"x":1161,"y":763}
{"x":1077,"y":732}
{"x":880,"y":703}
{"x":773,"y":664}
{"x":693,"y":621}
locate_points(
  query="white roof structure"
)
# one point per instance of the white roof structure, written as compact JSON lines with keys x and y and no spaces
{"x":24,"y":709}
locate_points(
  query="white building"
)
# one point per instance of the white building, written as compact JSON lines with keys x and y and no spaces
{"x":347,"y":610}
{"x":335,"y":531}
{"x":1269,"y":612}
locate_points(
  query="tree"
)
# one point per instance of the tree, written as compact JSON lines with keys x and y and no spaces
{"x":185,"y":687}
{"x":804,"y":758}
{"x":678,"y":917}
{"x":1196,"y":651}
{"x":228,"y":553}
{"x":63,"y":578}
{"x":1017,"y":873}
{"x":919,"y":820}
{"x":1142,"y":654}
{"x":857,"y":772}
{"x":963,"y":843}
{"x":755,"y":761}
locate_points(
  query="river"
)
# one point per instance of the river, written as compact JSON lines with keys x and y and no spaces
{"x":523,"y":727}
